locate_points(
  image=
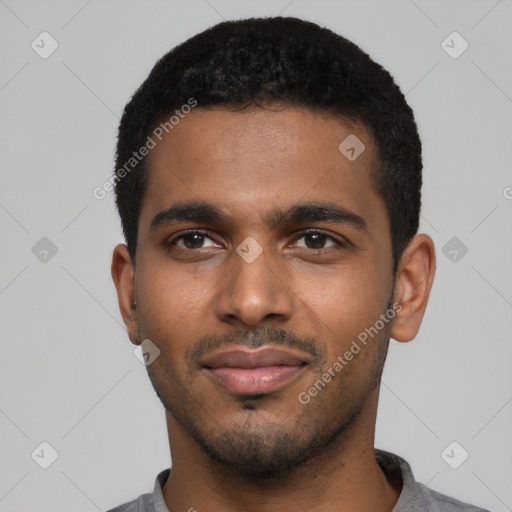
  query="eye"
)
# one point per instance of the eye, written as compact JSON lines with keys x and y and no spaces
{"x":191,"y":240}
{"x":317,"y":240}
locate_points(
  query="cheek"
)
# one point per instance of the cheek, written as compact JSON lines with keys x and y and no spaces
{"x":342,"y":303}
{"x":171,"y":303}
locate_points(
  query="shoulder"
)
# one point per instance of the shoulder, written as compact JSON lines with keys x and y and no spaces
{"x":143,"y":503}
{"x":149,"y":502}
{"x":415,"y":496}
{"x":437,"y":502}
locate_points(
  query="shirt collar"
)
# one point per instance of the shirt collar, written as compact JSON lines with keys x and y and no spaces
{"x":158,"y":497}
{"x":393,"y":466}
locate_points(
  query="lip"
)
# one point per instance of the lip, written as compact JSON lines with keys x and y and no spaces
{"x":252,"y":372}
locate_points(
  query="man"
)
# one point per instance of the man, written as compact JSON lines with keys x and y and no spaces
{"x":269,"y":186}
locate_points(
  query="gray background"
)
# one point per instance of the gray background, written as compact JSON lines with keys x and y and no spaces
{"x":68,"y":373}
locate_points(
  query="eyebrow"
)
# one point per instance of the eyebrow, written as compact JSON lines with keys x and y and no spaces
{"x":205,"y":213}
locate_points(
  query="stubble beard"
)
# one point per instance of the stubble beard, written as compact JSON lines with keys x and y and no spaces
{"x":261,"y":449}
{"x":271,"y":450}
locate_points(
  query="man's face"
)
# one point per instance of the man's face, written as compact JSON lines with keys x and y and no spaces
{"x":306,"y":283}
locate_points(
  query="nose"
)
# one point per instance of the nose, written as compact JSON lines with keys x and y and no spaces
{"x":254,"y":291}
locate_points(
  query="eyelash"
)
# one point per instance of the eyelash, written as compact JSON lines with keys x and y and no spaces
{"x":170,"y":244}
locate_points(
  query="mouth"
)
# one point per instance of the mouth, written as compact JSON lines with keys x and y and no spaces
{"x":254,"y":372}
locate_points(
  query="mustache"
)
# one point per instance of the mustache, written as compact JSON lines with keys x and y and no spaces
{"x":254,"y":338}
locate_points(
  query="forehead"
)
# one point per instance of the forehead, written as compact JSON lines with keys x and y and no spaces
{"x":250,"y":161}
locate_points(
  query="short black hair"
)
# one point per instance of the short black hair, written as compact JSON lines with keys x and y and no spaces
{"x":259,"y":62}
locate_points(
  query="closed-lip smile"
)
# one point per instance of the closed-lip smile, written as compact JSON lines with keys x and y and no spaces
{"x":255,"y":371}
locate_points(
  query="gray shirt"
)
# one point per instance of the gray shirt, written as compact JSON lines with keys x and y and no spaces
{"x":415,"y":497}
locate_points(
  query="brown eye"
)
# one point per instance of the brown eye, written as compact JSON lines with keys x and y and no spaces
{"x":317,"y":240}
{"x":192,"y":240}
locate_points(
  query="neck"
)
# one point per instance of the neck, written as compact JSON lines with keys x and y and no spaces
{"x":345,"y":476}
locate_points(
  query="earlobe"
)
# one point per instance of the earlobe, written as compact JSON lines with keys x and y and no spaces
{"x":414,"y":279}
{"x":123,"y":275}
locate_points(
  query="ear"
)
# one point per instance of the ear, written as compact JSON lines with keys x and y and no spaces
{"x":123,"y":274}
{"x":415,"y":275}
